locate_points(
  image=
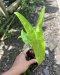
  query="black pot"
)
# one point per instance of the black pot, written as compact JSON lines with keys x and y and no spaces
{"x":30,"y":54}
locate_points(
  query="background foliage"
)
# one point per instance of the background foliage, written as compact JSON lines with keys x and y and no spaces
{"x":27,"y":7}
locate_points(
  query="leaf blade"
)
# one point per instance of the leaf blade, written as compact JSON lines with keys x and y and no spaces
{"x":27,"y":25}
{"x":40,"y":19}
{"x":25,"y":37}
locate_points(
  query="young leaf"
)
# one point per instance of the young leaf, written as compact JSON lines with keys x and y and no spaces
{"x":40,"y":19}
{"x":28,"y":27}
{"x":40,"y":35}
{"x":25,"y":37}
{"x":40,"y":46}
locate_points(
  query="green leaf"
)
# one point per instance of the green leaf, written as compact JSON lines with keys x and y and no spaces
{"x":40,"y":54}
{"x":28,"y":27}
{"x":25,"y":37}
{"x":40,"y":19}
{"x":40,"y":37}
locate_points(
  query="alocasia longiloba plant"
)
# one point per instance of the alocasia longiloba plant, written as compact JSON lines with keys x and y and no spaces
{"x":34,"y":35}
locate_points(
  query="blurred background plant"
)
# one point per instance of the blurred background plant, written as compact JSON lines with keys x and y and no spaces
{"x":28,"y":8}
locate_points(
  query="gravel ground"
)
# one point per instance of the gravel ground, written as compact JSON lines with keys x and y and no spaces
{"x":51,"y":65}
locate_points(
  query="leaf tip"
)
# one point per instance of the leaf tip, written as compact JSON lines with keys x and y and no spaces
{"x":15,"y":13}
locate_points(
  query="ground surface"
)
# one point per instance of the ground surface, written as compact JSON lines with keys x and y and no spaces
{"x":51,"y":66}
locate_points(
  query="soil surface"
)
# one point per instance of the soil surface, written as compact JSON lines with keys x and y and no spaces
{"x":11,"y":47}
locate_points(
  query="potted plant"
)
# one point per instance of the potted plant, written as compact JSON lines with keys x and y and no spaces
{"x":34,"y":35}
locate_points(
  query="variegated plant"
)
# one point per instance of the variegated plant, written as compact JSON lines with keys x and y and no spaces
{"x":34,"y":35}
